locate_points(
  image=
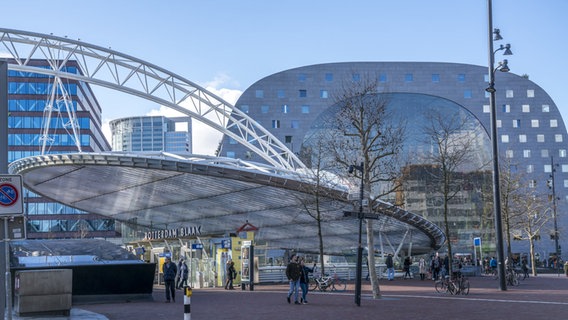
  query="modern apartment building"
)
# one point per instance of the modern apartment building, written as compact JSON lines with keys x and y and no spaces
{"x":531,"y":131}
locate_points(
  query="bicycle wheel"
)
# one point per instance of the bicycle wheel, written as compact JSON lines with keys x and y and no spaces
{"x":464,"y":287}
{"x":440,"y":286}
{"x":339,"y":285}
{"x":452,"y":288}
{"x":313,"y":285}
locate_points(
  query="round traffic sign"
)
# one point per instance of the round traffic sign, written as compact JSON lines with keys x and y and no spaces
{"x":8,"y":195}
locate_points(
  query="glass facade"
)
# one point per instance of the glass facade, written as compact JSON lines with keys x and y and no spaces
{"x":151,"y":133}
{"x":31,"y":110}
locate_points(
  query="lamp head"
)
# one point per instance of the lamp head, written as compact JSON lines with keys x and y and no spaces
{"x":508,"y":51}
{"x":503,"y":66}
{"x":497,"y":34}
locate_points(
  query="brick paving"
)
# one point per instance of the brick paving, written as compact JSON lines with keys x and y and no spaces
{"x":544,"y":297}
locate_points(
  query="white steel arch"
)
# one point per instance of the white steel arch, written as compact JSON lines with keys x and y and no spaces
{"x":112,"y":69}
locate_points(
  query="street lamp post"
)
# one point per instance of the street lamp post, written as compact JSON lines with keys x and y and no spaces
{"x":495,"y":152}
{"x":553,"y":189}
{"x":359,"y":269}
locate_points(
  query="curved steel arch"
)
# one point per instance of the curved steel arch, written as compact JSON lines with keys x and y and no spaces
{"x":112,"y":69}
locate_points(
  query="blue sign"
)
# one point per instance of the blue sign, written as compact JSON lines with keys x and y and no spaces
{"x":226,"y":244}
{"x":197,"y":246}
{"x":477,"y":242}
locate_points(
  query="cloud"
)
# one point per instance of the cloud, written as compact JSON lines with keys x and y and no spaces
{"x":205,"y":139}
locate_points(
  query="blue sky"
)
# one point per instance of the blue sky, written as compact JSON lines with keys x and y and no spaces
{"x":227,"y":45}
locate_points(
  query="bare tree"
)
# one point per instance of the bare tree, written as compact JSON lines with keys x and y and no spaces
{"x":363,"y":131}
{"x":532,"y":215}
{"x":451,"y":141}
{"x":513,"y":205}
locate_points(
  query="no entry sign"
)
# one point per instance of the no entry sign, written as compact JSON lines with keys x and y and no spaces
{"x":11,"y":195}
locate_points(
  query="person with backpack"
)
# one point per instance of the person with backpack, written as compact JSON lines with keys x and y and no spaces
{"x":390,"y":267}
{"x":436,"y":265}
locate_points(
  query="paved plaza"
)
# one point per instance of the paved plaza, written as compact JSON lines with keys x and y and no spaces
{"x":542,"y":297}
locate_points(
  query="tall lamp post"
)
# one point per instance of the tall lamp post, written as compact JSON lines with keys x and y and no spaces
{"x":359,"y":269}
{"x":495,"y":152}
{"x":553,"y":189}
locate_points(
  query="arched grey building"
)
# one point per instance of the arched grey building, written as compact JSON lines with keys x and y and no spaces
{"x":531,"y":131}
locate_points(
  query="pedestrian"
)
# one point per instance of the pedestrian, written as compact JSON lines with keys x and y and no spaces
{"x":436,"y":265}
{"x":566,"y":268}
{"x":525,"y":268}
{"x":422,"y":268}
{"x":493,"y":265}
{"x":169,"y":270}
{"x":406,"y":266}
{"x":305,"y":280}
{"x":231,"y":274}
{"x":390,"y":267}
{"x":293,"y":273}
{"x":183,"y":272}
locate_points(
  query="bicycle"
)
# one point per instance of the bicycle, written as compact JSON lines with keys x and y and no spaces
{"x":332,"y":282}
{"x":459,"y":285}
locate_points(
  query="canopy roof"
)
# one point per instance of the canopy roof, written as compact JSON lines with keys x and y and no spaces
{"x":163,"y":191}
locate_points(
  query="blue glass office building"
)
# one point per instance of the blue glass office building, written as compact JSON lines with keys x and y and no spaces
{"x":29,"y":106}
{"x":531,"y":131}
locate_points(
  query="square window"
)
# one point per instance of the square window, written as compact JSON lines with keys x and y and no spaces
{"x":245,"y":108}
{"x":329,"y":77}
{"x":259,"y":93}
{"x":562,"y":153}
{"x":486,"y":108}
{"x":285,"y":108}
{"x":230,"y":154}
{"x":232,"y":141}
{"x":506,"y":108}
{"x":498,"y":123}
{"x":305,"y":109}
{"x":545,"y":108}
{"x":302,"y":93}
{"x":324,"y":94}
{"x":544,"y":153}
{"x":302,"y":77}
{"x":530,"y":168}
{"x":558,"y":138}
{"x":540,"y":138}
{"x":553,"y":123}
{"x":275,"y":124}
{"x":547,"y":168}
{"x":526,"y":153}
{"x":530,"y":93}
{"x":534,"y":123}
{"x":467,"y":94}
{"x":522,"y":138}
{"x":264,"y":109}
{"x":294,"y":124}
{"x":281,"y":93}
{"x":526,"y":108}
{"x":356,"y":77}
{"x":461,"y":77}
{"x":517,"y":123}
{"x":566,"y":185}
{"x":565,"y":168}
{"x":509,"y":154}
{"x":435,"y":77}
{"x":505,"y":138}
{"x":383,"y":77}
{"x":288,"y":139}
{"x":509,"y":93}
{"x":408,"y":77}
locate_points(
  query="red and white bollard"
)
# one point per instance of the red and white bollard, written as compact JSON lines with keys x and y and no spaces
{"x":187,"y":303}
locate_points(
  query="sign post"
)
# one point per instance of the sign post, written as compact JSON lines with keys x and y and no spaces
{"x":11,"y":204}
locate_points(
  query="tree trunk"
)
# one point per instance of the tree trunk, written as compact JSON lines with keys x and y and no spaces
{"x":533,"y":264}
{"x":371,"y":259}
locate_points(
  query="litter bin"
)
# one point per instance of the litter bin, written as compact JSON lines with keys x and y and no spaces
{"x":43,"y":292}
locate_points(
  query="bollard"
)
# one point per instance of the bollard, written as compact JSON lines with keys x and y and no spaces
{"x":187,"y":303}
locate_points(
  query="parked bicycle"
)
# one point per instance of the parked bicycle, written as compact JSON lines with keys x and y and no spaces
{"x":459,"y":285}
{"x":331,"y":282}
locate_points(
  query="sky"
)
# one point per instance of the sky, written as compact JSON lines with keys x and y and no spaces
{"x":227,"y":45}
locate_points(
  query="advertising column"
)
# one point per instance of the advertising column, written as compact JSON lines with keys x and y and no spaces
{"x":247,"y":265}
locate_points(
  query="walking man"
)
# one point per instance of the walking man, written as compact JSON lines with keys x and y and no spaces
{"x":169,"y":270}
{"x":293,"y":273}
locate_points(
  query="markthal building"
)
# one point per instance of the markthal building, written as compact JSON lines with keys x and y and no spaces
{"x":293,"y":105}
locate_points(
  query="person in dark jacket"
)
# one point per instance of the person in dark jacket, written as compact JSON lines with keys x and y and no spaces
{"x":183,"y":273}
{"x":231,"y":275}
{"x":293,"y":273}
{"x":169,"y":270}
{"x":390,"y":267}
{"x":305,"y":280}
